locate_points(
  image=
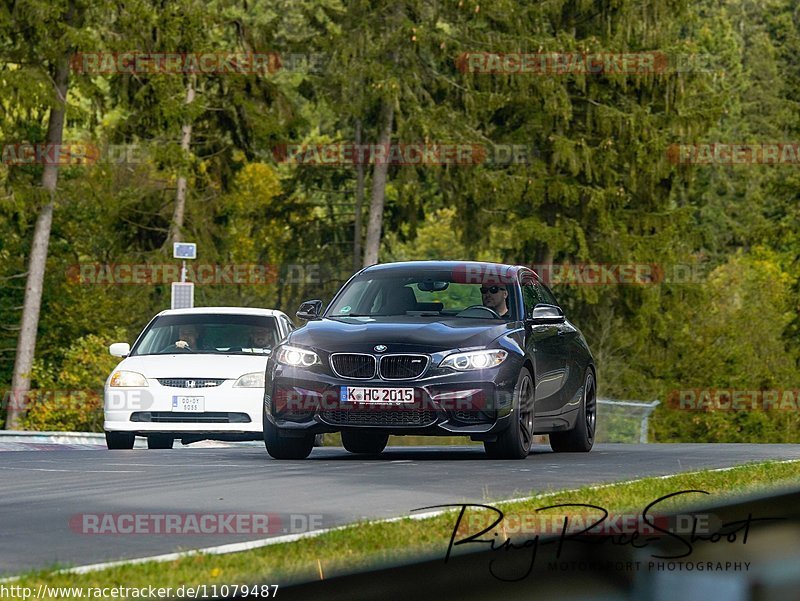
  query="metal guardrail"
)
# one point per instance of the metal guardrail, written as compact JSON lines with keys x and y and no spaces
{"x":771,"y":550}
{"x":97,"y":438}
{"x":646,"y":410}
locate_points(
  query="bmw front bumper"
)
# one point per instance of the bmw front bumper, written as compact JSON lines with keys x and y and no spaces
{"x":475,"y":403}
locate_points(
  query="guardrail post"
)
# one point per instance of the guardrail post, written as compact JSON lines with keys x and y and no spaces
{"x":646,"y":420}
{"x":646,"y":408}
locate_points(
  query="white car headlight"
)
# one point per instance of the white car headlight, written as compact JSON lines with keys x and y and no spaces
{"x":296,"y":357}
{"x":474,"y":360}
{"x":127,"y":379}
{"x":253,"y":380}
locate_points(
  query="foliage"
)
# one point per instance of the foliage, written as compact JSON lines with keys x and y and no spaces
{"x":675,"y":425}
{"x":71,"y":397}
{"x":597,"y":185}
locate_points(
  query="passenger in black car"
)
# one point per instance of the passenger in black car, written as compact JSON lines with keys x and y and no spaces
{"x":495,"y":298}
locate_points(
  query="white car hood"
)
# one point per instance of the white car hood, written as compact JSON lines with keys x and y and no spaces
{"x":189,"y":365}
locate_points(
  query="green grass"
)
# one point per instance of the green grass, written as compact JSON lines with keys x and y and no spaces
{"x":366,"y":545}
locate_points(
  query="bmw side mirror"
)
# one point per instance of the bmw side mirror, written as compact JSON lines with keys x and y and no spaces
{"x":543,"y":314}
{"x":310,"y":310}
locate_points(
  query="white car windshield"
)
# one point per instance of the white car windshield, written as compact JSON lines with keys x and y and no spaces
{"x":209,"y":334}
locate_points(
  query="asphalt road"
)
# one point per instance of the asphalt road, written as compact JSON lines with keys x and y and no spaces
{"x":52,"y":502}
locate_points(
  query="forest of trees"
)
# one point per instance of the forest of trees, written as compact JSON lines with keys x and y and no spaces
{"x":201,"y":156}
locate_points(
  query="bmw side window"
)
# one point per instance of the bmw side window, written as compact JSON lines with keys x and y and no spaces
{"x":530,"y":298}
{"x":547,"y":296}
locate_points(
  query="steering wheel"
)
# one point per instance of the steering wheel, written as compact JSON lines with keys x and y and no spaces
{"x":173,"y":348}
{"x":494,"y":313}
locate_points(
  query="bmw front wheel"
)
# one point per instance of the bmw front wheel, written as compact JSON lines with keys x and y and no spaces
{"x":285,"y":447}
{"x":516,"y":440}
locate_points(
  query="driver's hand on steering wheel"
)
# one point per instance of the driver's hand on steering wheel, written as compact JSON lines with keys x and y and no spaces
{"x":182,"y":344}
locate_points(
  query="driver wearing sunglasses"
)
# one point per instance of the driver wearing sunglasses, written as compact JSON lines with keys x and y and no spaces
{"x":495,"y":298}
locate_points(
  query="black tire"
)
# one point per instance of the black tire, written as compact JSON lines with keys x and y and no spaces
{"x":119,"y":440}
{"x":284,"y":447}
{"x":581,"y":438}
{"x":160,"y":441}
{"x":515,"y":441}
{"x":367,"y":443}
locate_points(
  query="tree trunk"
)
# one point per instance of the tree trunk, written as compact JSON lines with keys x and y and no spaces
{"x":26,"y":343}
{"x":373,"y":242}
{"x":359,"y":202}
{"x":544,"y":256}
{"x":176,"y":225}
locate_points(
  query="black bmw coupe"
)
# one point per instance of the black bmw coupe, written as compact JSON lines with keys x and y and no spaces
{"x":433,"y":348}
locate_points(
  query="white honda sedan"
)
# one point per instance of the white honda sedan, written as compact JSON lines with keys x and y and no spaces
{"x":193,"y":374}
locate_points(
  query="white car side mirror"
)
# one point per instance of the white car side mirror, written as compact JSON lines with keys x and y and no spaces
{"x":120,"y":349}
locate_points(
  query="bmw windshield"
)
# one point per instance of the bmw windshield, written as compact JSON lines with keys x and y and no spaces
{"x":422,"y":293}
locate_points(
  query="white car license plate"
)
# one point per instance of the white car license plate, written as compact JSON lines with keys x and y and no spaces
{"x":358,"y":394}
{"x":189,"y":404}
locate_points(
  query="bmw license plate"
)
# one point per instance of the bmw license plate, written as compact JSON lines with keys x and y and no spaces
{"x":358,"y":394}
{"x":189,"y":404}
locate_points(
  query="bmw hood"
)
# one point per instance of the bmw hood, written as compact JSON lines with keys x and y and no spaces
{"x":398,"y":334}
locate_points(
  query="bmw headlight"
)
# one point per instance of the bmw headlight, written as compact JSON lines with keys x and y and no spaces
{"x":127,"y":379}
{"x":475,"y":359}
{"x":296,"y":357}
{"x":252,"y":380}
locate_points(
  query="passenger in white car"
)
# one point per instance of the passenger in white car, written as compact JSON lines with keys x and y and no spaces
{"x":261,"y":340}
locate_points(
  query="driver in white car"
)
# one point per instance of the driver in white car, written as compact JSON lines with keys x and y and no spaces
{"x":495,"y":298}
{"x":187,"y":337}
